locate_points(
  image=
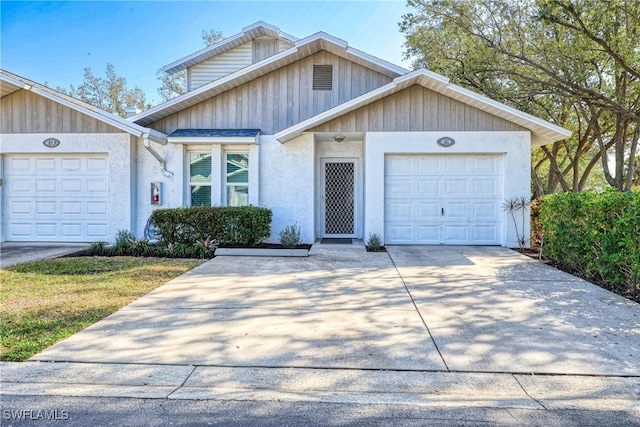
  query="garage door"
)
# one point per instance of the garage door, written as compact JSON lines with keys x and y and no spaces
{"x":443,"y":199}
{"x":56,"y":198}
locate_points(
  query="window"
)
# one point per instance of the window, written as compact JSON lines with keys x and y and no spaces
{"x":237,"y":179}
{"x":323,"y":77}
{"x":200,"y":178}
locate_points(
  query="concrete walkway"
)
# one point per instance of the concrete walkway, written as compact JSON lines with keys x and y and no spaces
{"x":444,"y":326}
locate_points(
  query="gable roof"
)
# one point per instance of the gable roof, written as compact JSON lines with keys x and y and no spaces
{"x":248,"y":34}
{"x":10,"y":83}
{"x":302,"y":48}
{"x":543,"y":132}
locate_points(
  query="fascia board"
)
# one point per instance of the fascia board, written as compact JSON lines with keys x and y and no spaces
{"x":14,"y":82}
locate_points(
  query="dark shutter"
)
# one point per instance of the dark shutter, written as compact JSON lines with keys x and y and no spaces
{"x":323,"y":77}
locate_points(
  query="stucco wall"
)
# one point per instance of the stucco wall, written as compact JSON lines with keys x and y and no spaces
{"x":287,"y":184}
{"x":115,"y":145}
{"x":515,"y":146}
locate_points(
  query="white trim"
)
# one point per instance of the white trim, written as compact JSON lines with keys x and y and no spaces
{"x":543,"y":132}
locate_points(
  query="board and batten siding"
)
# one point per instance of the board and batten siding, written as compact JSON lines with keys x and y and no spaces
{"x":416,"y":109}
{"x":26,"y":112}
{"x":231,"y":61}
{"x":279,"y":99}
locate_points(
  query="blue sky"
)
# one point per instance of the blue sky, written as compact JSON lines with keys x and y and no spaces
{"x":52,"y":42}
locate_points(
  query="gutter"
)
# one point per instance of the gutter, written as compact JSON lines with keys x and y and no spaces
{"x":158,"y":157}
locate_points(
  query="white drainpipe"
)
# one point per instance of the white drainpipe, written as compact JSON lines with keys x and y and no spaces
{"x":154,"y":153}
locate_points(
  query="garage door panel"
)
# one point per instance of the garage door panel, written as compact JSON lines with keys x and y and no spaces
{"x":456,"y":233}
{"x":429,"y":166}
{"x":485,"y":211}
{"x":428,"y":187}
{"x":456,"y":187}
{"x":48,"y":164}
{"x":56,"y":197}
{"x":457,"y":199}
{"x":428,"y":233}
{"x":399,"y":187}
{"x":428,"y":211}
{"x":484,"y":234}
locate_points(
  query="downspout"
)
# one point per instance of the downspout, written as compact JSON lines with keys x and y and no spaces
{"x":158,"y":157}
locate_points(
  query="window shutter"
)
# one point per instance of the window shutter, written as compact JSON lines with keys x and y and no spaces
{"x":323,"y":77}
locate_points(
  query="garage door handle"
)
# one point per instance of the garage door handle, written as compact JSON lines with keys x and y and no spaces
{"x":442,"y":211}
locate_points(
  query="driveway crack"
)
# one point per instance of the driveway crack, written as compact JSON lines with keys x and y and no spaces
{"x":183,"y":382}
{"x":419,"y":314}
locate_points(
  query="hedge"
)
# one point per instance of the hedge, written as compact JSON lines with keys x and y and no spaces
{"x":596,"y":234}
{"x":235,"y":226}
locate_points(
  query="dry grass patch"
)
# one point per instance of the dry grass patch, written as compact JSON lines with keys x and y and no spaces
{"x":45,"y":301}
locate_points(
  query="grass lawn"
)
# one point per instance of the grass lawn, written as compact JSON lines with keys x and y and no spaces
{"x":45,"y":301}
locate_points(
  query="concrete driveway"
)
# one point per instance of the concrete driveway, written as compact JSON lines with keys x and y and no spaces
{"x":460,"y":309}
{"x":12,"y":253}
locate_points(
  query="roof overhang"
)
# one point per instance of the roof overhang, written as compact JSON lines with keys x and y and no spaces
{"x":303,"y":48}
{"x":215,"y":136}
{"x":542,"y":132}
{"x":248,"y":34}
{"x":11,"y":83}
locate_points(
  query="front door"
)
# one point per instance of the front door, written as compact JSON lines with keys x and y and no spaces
{"x":339,"y":208}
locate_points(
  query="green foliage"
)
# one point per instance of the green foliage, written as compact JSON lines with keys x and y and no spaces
{"x":374,"y":242}
{"x":290,"y":236}
{"x":596,"y":234}
{"x":242,"y":226}
{"x":236,"y":226}
{"x":574,"y":63}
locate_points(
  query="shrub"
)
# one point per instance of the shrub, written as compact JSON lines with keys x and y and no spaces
{"x":374,"y":242}
{"x":242,"y":226}
{"x":290,"y":236}
{"x":596,"y":234}
{"x":239,"y":226}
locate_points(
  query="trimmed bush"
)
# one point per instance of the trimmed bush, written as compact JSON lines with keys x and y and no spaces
{"x":235,"y":226}
{"x":597,"y":235}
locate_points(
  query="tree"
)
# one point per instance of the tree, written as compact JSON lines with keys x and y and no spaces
{"x":109,"y":93}
{"x":176,"y":84}
{"x":575,"y":63}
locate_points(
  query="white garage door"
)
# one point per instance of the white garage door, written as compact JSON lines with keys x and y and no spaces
{"x":443,"y":199}
{"x":56,"y":198}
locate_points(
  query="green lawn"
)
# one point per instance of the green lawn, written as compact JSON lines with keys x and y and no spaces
{"x":45,"y":301}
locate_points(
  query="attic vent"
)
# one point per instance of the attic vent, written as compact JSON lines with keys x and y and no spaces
{"x":323,"y":77}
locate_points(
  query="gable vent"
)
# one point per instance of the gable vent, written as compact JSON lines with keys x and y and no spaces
{"x":323,"y":77}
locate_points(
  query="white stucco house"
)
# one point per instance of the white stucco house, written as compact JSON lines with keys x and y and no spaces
{"x":336,"y":140}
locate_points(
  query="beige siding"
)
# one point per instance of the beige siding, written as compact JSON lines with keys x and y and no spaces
{"x":279,"y":99}
{"x":26,"y":112}
{"x":220,"y":66}
{"x":416,"y":109}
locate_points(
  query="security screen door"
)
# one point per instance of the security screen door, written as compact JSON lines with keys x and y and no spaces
{"x":339,"y":198}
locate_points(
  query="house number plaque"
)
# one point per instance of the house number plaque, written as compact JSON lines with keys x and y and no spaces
{"x":51,"y":142}
{"x":446,"y":142}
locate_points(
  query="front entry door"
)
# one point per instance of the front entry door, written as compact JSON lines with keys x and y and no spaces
{"x":339,"y":198}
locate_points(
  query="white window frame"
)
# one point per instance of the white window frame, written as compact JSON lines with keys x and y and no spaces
{"x":191,"y":184}
{"x":226,"y":185}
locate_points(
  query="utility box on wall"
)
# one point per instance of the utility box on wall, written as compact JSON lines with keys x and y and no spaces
{"x":156,"y":193}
